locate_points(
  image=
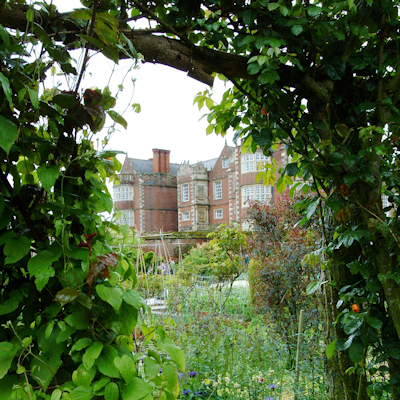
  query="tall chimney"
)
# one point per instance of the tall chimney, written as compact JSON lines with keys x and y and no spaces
{"x":162,"y":160}
{"x":156,"y":160}
{"x":167,"y":164}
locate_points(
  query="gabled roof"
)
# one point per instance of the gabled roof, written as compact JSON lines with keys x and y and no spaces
{"x":210,"y":164}
{"x":146,"y":166}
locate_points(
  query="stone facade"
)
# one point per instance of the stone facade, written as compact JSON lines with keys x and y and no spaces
{"x":155,"y":195}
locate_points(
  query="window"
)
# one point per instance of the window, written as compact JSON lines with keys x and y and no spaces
{"x":126,"y":177}
{"x":186,"y":216}
{"x":256,"y":192}
{"x":225,"y":162}
{"x":218,"y":214}
{"x":126,"y":218}
{"x":218,"y":190}
{"x":385,"y":204}
{"x":247,"y":225}
{"x":185,"y":192}
{"x":253,"y":162}
{"x":123,"y":193}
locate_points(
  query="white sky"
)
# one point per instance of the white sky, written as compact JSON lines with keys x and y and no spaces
{"x":168,"y":119}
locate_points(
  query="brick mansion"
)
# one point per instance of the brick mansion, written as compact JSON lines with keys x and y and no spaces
{"x":156,"y":195}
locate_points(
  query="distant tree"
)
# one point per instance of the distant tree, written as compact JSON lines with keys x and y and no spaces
{"x":229,"y":248}
{"x":280,"y":277}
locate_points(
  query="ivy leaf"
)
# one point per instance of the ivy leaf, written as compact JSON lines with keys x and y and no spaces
{"x":16,"y":248}
{"x":8,"y":134}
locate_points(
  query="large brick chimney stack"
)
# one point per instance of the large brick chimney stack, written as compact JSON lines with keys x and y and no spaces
{"x":167,"y":167}
{"x":161,"y":161}
{"x":156,"y":160}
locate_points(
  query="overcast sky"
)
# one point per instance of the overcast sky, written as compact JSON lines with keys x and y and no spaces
{"x":168,"y":119}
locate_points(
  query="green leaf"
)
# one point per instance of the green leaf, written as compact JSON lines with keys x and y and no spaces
{"x":81,"y":344}
{"x":151,"y":367}
{"x":356,"y":352}
{"x":111,"y":295}
{"x":16,"y":248}
{"x":297,"y":29}
{"x":174,"y":352}
{"x":133,"y":298}
{"x":67,"y":295}
{"x":33,"y":95}
{"x":330,"y":350}
{"x":351,"y":326}
{"x":336,"y":159}
{"x":343,"y":344}
{"x":7,"y":353}
{"x":45,"y":367}
{"x":85,"y":14}
{"x":335,"y":68}
{"x":5,"y":84}
{"x":313,"y":11}
{"x":111,"y":391}
{"x":137,"y":389}
{"x":81,"y":393}
{"x":117,"y":118}
{"x":105,"y":362}
{"x":126,"y":367}
{"x":8,"y":134}
{"x":65,"y":100}
{"x":91,"y":354}
{"x":112,"y":53}
{"x":374,"y":322}
{"x":41,"y":262}
{"x":48,"y":176}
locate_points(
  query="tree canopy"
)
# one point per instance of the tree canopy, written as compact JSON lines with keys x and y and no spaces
{"x":320,"y":78}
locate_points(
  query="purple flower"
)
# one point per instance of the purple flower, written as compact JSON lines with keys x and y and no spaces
{"x":180,"y":375}
{"x":272,"y":386}
{"x":186,"y":391}
{"x":160,"y":370}
{"x":269,"y":398}
{"x":192,"y":374}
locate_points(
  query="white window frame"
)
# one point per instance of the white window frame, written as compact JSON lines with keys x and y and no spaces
{"x":218,"y":190}
{"x":255,"y":192}
{"x":225,"y":163}
{"x":185,"y":216}
{"x":185,"y":193}
{"x":123,"y":193}
{"x":218,"y":214}
{"x":251,"y":162}
{"x":126,"y":218}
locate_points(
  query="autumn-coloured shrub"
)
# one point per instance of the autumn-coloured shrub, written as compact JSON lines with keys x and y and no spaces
{"x":279,"y":278}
